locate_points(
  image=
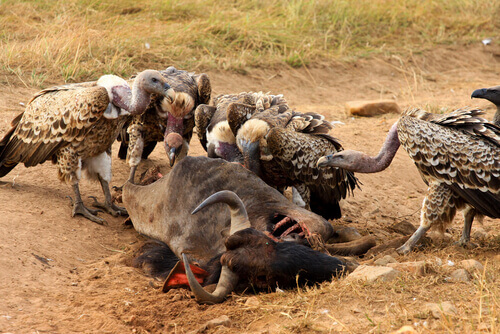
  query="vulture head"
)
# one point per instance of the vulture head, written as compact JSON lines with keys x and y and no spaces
{"x":223,"y":143}
{"x":349,"y":160}
{"x":173,"y":145}
{"x":136,"y":100}
{"x":250,"y":140}
{"x":191,"y":90}
{"x":491,"y":94}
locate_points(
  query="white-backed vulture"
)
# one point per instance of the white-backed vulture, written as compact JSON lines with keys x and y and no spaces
{"x":212,"y":125}
{"x":458,"y":157}
{"x":282,"y":147}
{"x":169,"y":121}
{"x":74,"y":125}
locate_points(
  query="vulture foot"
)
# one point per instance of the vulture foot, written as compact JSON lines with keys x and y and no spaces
{"x":403,"y":250}
{"x":467,"y":244}
{"x":82,"y":210}
{"x":109,"y":207}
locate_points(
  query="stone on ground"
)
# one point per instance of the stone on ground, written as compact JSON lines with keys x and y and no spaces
{"x":372,"y":108}
{"x":371,"y":274}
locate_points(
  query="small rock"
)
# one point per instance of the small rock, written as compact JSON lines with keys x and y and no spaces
{"x":403,"y":227}
{"x":176,"y":297}
{"x":373,"y":273}
{"x":405,"y":330}
{"x":459,"y":275}
{"x":372,"y":108}
{"x":418,"y":268}
{"x":472,"y":265}
{"x":480,"y":234}
{"x":438,"y":310}
{"x":220,"y":321}
{"x":252,"y":301}
{"x":384,"y":261}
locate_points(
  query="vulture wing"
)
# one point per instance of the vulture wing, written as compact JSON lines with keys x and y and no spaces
{"x":54,"y":118}
{"x":460,"y":149}
{"x":203,"y":115}
{"x":297,"y":154}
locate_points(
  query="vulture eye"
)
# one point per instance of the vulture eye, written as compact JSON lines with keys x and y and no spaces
{"x":154,"y":80}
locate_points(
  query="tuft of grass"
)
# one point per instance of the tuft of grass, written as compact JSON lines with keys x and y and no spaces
{"x":78,"y":40}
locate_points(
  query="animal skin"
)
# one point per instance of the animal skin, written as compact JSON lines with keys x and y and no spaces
{"x":162,"y":211}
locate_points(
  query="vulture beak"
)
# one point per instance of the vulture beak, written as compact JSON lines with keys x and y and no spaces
{"x":479,"y":93}
{"x":171,"y":156}
{"x":324,"y":161}
{"x":169,"y":93}
{"x":251,"y":155}
{"x":173,"y":145}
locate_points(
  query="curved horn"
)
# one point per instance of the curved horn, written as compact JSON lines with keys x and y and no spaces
{"x":239,"y":217}
{"x":228,"y":279}
{"x":226,"y":284}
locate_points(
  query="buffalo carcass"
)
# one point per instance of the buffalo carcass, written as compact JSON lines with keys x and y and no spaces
{"x":260,"y":255}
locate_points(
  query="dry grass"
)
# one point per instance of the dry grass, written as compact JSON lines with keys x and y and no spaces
{"x":357,"y":307}
{"x":52,"y":41}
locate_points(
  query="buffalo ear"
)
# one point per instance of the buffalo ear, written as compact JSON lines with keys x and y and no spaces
{"x":225,"y":232}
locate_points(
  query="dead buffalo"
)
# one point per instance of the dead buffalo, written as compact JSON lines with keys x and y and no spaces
{"x":255,"y":250}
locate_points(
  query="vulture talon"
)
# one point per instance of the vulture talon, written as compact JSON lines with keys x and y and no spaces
{"x":80,"y":209}
{"x":108,"y":207}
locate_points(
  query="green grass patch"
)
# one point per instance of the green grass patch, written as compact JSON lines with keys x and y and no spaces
{"x":77,"y":40}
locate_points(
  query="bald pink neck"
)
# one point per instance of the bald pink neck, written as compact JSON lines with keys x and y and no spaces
{"x":367,"y":164}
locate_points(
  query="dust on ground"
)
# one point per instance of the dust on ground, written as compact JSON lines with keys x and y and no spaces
{"x":60,"y":274}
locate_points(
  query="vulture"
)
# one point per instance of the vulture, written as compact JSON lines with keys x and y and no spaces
{"x":164,"y":120}
{"x":282,"y":147}
{"x":74,"y":126}
{"x":212,"y":125}
{"x":458,"y":157}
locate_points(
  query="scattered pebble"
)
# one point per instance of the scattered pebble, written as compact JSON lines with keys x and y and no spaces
{"x":472,"y":265}
{"x":417,"y":267}
{"x":372,"y":108}
{"x":373,"y":273}
{"x":438,"y":310}
{"x":220,"y":321}
{"x":459,"y":275}
{"x":384,"y":260}
{"x":405,"y":330}
{"x":252,"y":301}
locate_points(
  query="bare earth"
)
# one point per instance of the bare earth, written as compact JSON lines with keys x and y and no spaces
{"x":60,"y":274}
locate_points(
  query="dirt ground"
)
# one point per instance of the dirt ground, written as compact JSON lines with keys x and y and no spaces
{"x":61,"y":275}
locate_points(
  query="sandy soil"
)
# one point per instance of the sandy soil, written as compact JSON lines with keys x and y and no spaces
{"x":60,"y":274}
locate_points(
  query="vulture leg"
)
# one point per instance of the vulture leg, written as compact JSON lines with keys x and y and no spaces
{"x":135,"y":149}
{"x":108,"y":204}
{"x":438,"y":208}
{"x":469,"y":214}
{"x":80,"y":209}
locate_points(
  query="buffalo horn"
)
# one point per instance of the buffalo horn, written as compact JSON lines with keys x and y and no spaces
{"x":228,"y":279}
{"x":239,"y":217}
{"x":226,"y":284}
